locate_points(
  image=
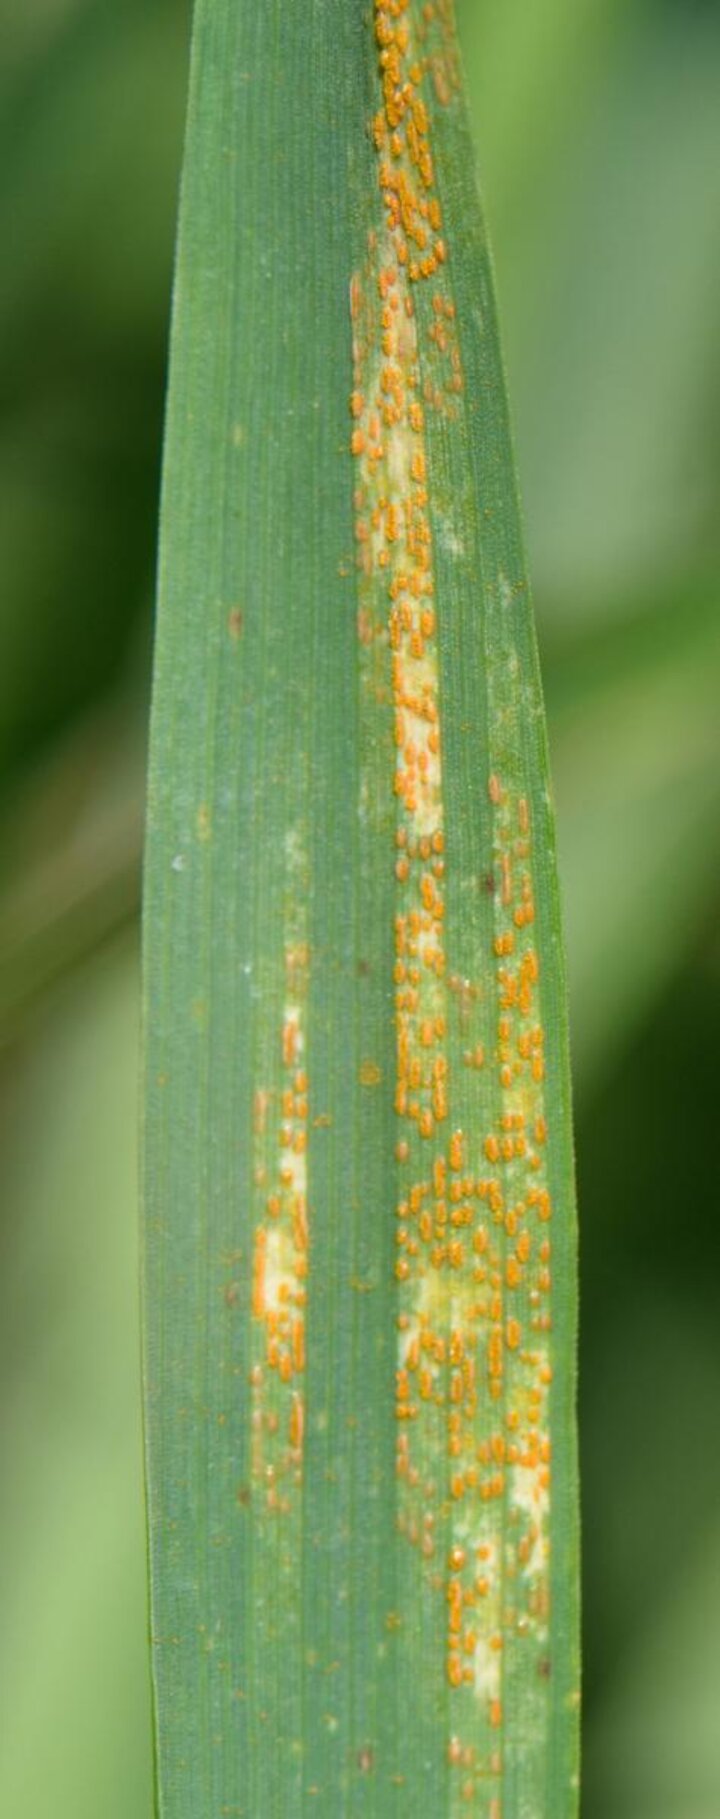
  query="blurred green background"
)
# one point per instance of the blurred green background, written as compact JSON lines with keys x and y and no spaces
{"x":597,"y":128}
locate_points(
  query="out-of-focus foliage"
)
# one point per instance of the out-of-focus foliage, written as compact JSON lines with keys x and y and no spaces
{"x":596,"y":125}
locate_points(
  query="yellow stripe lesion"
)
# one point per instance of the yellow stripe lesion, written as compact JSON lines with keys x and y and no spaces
{"x":280,"y":1250}
{"x":473,"y":1246}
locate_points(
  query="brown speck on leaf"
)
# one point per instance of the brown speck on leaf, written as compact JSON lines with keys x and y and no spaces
{"x":243,"y":1496}
{"x":232,"y":1294}
{"x":235,"y":623}
{"x":365,"y":627}
{"x":544,"y":1667}
{"x":366,"y":1760}
{"x":488,"y":883}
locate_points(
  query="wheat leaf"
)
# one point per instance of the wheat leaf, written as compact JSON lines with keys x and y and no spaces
{"x":360,"y":1243}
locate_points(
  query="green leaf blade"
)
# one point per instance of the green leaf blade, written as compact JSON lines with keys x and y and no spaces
{"x":360,"y":1428}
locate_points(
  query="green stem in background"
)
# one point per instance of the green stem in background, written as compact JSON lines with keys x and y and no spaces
{"x":360,"y":1229}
